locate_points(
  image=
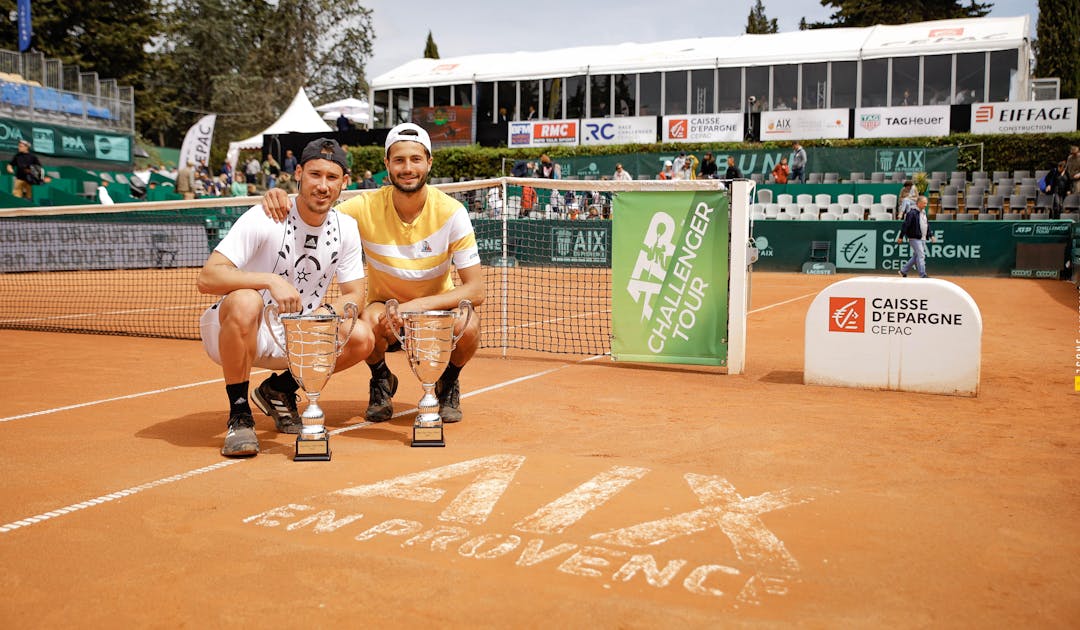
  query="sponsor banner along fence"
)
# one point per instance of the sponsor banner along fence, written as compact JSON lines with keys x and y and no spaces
{"x":900,"y":122}
{"x":960,"y":248}
{"x":1024,"y":117}
{"x":66,"y":142}
{"x":622,"y":130}
{"x":806,"y":124}
{"x":669,"y":277}
{"x":702,"y":128}
{"x":543,"y":133}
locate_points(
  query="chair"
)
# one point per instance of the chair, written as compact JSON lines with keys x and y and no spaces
{"x":813,"y":178}
{"x":1039,"y":216}
{"x":877,"y":177}
{"x":948,"y":190}
{"x":1044,"y":201}
{"x":857,"y":176}
{"x":889,"y":201}
{"x":851,"y":216}
{"x":879,"y":208}
{"x":1072,"y":202}
{"x":165,"y":246}
{"x":1005,"y":186}
{"x":757,"y":178}
{"x":804,"y":199}
{"x":828,"y":216}
{"x":820,"y":251}
{"x":784,"y":198}
{"x":831,"y":178}
{"x":958,"y":175}
{"x":771,"y":210}
{"x":1039,"y":175}
{"x":823,"y":199}
{"x":994,"y":203}
{"x":933,"y":186}
{"x":834,"y":209}
{"x":948,"y":203}
{"x":810,"y":208}
{"x":986,"y":216}
{"x":764,"y":195}
{"x":1017,"y":203}
{"x":1021,"y":174}
{"x":856,"y":208}
{"x":784,"y":216}
{"x":944,"y":216}
{"x":791,"y":208}
{"x":757,"y":207}
{"x":964,"y":216}
{"x":808,"y":216}
{"x":1029,"y":182}
{"x":979,"y":175}
{"x":1028,"y":192}
{"x":845,"y":200}
{"x":899,"y":177}
{"x":999,"y":175}
{"x":1011,"y":216}
{"x":973,"y":198}
{"x":866,"y":200}
{"x":757,"y":215}
{"x":1070,"y":216}
{"x":880,"y":216}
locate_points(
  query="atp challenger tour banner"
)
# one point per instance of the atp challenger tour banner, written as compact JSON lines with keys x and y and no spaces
{"x":669,"y":275}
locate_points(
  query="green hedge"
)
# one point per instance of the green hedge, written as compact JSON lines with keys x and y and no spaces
{"x":999,"y":152}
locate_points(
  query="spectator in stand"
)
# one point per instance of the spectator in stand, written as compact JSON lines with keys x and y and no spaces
{"x":594,"y":213}
{"x":288,"y":165}
{"x":666,"y":172}
{"x":368,"y":183}
{"x":917,"y":230}
{"x":688,"y":167}
{"x":733,"y":171}
{"x":1072,"y":168}
{"x":227,"y":171}
{"x":239,"y":186}
{"x":532,"y":113}
{"x":781,"y":172}
{"x":271,"y":170}
{"x":677,"y":163}
{"x":909,"y":194}
{"x":185,"y":180}
{"x":343,"y":123}
{"x":708,"y":166}
{"x":21,"y":166}
{"x":1056,"y":184}
{"x":621,"y":175}
{"x":547,"y":168}
{"x":287,"y":183}
{"x":798,"y":163}
{"x":253,"y":170}
{"x":528,"y":201}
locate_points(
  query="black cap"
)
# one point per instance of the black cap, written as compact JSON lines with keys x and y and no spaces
{"x":325,"y":149}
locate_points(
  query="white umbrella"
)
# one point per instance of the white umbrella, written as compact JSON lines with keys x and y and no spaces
{"x":350,"y":106}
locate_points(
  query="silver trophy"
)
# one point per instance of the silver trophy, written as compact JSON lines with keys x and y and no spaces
{"x":428,"y":341}
{"x":312,"y":346}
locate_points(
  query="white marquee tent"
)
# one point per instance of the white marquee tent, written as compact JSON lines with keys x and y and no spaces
{"x":299,"y":117}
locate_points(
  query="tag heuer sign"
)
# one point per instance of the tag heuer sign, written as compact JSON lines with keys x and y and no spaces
{"x":870,"y":122}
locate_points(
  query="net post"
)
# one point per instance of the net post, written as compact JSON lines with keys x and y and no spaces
{"x":504,"y":289}
{"x":739,"y":274}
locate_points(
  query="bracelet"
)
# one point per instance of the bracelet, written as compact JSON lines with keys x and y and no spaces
{"x":330,"y":308}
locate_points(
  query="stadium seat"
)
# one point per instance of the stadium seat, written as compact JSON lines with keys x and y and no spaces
{"x":808,"y":216}
{"x":856,"y":208}
{"x":813,"y":178}
{"x":880,"y":216}
{"x":834,"y":209}
{"x":823,"y":199}
{"x":1070,"y":216}
{"x":784,"y":199}
{"x":784,"y":216}
{"x":828,"y":216}
{"x":1044,"y":201}
{"x":1021,"y":174}
{"x":857,"y":176}
{"x":986,"y":216}
{"x":804,"y":199}
{"x":1011,"y":216}
{"x":866,"y":200}
{"x":757,"y":215}
{"x":944,"y":216}
{"x":1005,"y":186}
{"x":877,"y":177}
{"x":1017,"y":203}
{"x":949,"y":203}
{"x":764,"y":195}
{"x":845,"y":200}
{"x":997,"y":176}
{"x":1039,"y":216}
{"x":831,"y":178}
{"x":948,"y":190}
{"x":810,"y":208}
{"x":994,"y":203}
{"x":879,"y":208}
{"x":771,"y":210}
{"x":851,"y":216}
{"x":889,"y":201}
{"x":939,"y":175}
{"x":1072,"y":202}
{"x":964,"y":216}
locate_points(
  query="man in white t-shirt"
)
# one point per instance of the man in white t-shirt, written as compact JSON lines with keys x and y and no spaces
{"x":292,"y":264}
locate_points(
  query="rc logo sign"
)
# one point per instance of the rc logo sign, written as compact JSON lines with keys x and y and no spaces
{"x":847,"y":314}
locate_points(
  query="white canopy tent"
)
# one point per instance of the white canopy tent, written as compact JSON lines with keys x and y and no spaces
{"x":299,"y":117}
{"x":356,"y":110}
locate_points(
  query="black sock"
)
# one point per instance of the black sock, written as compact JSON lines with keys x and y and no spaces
{"x":284,"y":382}
{"x":450,"y":374}
{"x":238,"y":398}
{"x":379,"y":370}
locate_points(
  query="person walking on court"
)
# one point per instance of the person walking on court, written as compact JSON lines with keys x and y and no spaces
{"x":916,"y":228}
{"x":22,"y":166}
{"x":414,"y":236}
{"x":798,"y":163}
{"x":261,"y":262}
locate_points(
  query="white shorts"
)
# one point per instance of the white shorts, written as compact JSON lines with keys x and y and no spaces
{"x":267,"y":353}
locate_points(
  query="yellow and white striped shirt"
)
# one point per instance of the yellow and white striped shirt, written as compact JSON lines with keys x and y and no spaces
{"x":412,"y":260}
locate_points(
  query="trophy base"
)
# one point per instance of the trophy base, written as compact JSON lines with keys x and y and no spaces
{"x":316,"y":449}
{"x":427,"y":436}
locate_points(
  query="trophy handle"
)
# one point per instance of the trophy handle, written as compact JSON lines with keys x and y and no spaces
{"x":352,"y":312}
{"x":272,"y":309}
{"x":392,"y":314}
{"x":464,"y":306}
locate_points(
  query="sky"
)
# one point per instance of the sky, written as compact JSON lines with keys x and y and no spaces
{"x":472,"y":27}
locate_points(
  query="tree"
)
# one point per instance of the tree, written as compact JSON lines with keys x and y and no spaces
{"x":431,"y":51}
{"x":757,"y":23}
{"x":1057,"y":47}
{"x":871,"y":12}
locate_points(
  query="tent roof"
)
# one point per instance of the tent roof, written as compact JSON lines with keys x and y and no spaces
{"x":832,"y":44}
{"x":299,"y":117}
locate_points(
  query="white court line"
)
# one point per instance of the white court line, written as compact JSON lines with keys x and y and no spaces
{"x":794,"y":299}
{"x":554,"y":320}
{"x":119,"y":494}
{"x":140,"y":311}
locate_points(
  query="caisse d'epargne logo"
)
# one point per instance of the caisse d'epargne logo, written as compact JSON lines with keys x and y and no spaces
{"x":847,"y":314}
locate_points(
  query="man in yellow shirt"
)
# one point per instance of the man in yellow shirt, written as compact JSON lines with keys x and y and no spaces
{"x":413,"y":237}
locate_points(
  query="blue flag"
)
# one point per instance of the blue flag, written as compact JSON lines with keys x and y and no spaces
{"x":26,"y":30}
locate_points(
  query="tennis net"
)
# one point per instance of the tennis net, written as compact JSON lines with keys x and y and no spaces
{"x":131,"y":269}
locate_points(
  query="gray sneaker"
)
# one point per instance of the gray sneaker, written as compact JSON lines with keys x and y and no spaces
{"x":240,"y":441}
{"x":380,"y":406}
{"x":449,"y":401}
{"x":278,"y":405}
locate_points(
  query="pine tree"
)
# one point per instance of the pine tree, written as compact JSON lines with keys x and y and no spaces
{"x":431,"y":51}
{"x":757,"y":23}
{"x":871,"y":12}
{"x":1057,"y":49}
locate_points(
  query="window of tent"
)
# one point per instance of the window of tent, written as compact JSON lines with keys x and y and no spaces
{"x":905,"y":81}
{"x":675,"y":92}
{"x":575,"y":96}
{"x":485,"y":101}
{"x":875,"y":82}
{"x":402,"y":104}
{"x":843,"y":80}
{"x":600,"y":95}
{"x":625,"y":94}
{"x":506,"y":98}
{"x":815,"y":94}
{"x":729,"y":96}
{"x":530,"y":95}
{"x":757,"y":85}
{"x":552,"y":106}
{"x":937,"y":80}
{"x":649,"y":94}
{"x":702,"y":91}
{"x":441,"y":95}
{"x":970,"y":78}
{"x":382,"y":108}
{"x":785,"y":86}
{"x":1004,"y":75}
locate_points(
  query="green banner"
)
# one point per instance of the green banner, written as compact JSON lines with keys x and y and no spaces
{"x":669,"y":277}
{"x":66,"y":142}
{"x":819,"y":160}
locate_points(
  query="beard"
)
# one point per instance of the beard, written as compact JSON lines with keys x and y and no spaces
{"x":420,"y":181}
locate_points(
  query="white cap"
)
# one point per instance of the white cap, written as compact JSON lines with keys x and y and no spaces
{"x":667,"y":162}
{"x":411,"y":132}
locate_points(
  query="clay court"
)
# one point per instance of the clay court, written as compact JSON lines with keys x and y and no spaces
{"x":578,"y":492}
